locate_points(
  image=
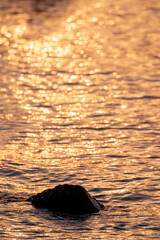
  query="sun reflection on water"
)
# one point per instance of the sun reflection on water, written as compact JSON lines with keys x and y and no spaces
{"x":80,"y":102}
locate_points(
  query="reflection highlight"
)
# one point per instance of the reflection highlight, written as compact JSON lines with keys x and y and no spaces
{"x":80,"y":103}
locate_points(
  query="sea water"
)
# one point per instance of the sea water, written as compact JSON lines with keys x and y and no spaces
{"x":80,"y":104}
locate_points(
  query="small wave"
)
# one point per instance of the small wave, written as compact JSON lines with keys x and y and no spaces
{"x":112,"y":128}
{"x":158,"y":156}
{"x":131,"y":180}
{"x":135,"y":197}
{"x":99,"y":115}
{"x":118,"y":156}
{"x":100,"y":189}
{"x":140,"y":225}
{"x":120,"y":227}
{"x":155,"y":228}
{"x":6,"y":198}
{"x":138,"y":98}
{"x":11,"y":173}
{"x":92,"y":128}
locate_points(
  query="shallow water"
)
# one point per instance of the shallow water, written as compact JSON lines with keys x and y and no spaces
{"x":79,"y":104}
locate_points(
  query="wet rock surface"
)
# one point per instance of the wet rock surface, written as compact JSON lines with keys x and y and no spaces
{"x":72,"y":199}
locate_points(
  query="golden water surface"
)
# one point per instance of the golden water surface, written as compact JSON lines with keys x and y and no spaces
{"x":80,"y":104}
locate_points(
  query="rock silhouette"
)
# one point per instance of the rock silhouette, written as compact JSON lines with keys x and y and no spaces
{"x":72,"y":199}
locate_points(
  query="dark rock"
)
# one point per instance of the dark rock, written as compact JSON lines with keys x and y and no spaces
{"x":72,"y":199}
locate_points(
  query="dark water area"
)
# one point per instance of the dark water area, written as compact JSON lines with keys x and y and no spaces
{"x":79,"y":104}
